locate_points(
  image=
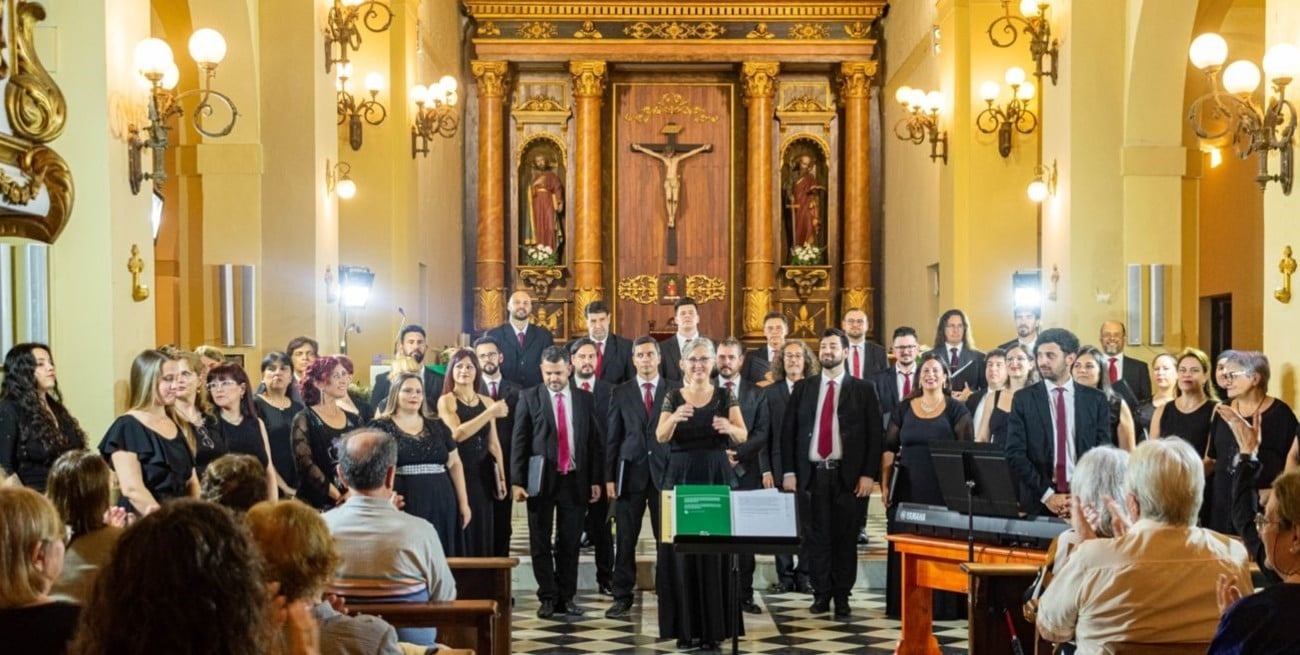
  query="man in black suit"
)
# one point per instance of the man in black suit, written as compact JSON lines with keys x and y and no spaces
{"x":687,"y":316}
{"x":832,"y":440}
{"x":584,"y":356}
{"x":1028,"y":322}
{"x":413,"y":344}
{"x":488,"y":352}
{"x":965,"y":364}
{"x":1130,"y":377}
{"x":521,"y":342}
{"x":895,"y":383}
{"x":557,"y":424}
{"x":797,"y":362}
{"x":613,"y":353}
{"x":635,"y":463}
{"x":759,"y":361}
{"x":749,"y":460}
{"x":864,"y":358}
{"x":1052,"y":424}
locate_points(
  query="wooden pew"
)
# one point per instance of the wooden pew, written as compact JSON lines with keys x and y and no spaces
{"x":994,"y":587}
{"x":487,"y":578}
{"x":454,"y":620}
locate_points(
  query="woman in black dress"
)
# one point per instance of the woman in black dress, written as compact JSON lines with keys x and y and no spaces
{"x":277,"y":410}
{"x":1246,"y":376}
{"x":1190,"y":416}
{"x":1020,"y":374}
{"x":1164,"y":388}
{"x":152,"y":456}
{"x":236,"y":422}
{"x":35,"y":428}
{"x":429,"y":473}
{"x":350,"y":403}
{"x":316,"y":431}
{"x":982,"y":403}
{"x":1087,"y":371}
{"x":472,"y":419}
{"x":194,"y":408}
{"x":701,"y":422}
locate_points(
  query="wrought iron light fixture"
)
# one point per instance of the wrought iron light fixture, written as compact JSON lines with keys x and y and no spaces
{"x":922,"y":121}
{"x":1015,"y":115}
{"x":154,"y":62}
{"x":353,"y":110}
{"x":1043,"y":184}
{"x":1255,"y":129}
{"x":338,"y":180}
{"x":341,"y":27}
{"x":1033,"y":22}
{"x":435,"y":113}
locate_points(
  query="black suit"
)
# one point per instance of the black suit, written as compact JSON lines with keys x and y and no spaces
{"x":753,"y":457}
{"x":874,"y":359}
{"x":503,"y":509}
{"x":1031,"y":437}
{"x":970,"y":363}
{"x":597,"y":523}
{"x":837,"y":513}
{"x":563,"y":497}
{"x":616,"y":363}
{"x":670,"y":358}
{"x":777,"y":397}
{"x":757,"y":364}
{"x":1137,"y":375}
{"x":633,"y":452}
{"x":382,"y":385}
{"x":523,"y":366}
{"x":885,"y":384}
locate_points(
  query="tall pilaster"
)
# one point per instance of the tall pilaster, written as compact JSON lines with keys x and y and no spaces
{"x":492,"y":79}
{"x":588,"y":269}
{"x":855,"y":91}
{"x":759,"y":80}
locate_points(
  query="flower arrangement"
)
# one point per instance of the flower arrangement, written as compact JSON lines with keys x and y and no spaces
{"x":537,"y":254}
{"x":806,"y":255}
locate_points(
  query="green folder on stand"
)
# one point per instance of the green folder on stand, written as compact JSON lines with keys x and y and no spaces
{"x":702,"y":510}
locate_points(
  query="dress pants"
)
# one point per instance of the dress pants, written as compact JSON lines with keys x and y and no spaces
{"x":564,"y":506}
{"x":787,"y":573}
{"x":598,"y":525}
{"x":502,"y":513}
{"x":629,"y":511}
{"x":837,"y":516}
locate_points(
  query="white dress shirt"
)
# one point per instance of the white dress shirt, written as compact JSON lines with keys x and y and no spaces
{"x":735,"y":385}
{"x":568,"y":423}
{"x":1069,"y":425}
{"x":899,"y":374}
{"x":836,"y":451}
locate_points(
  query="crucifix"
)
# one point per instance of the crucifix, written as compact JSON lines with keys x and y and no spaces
{"x":671,"y":153}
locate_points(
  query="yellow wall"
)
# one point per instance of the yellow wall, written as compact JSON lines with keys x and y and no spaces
{"x":1282,"y":25}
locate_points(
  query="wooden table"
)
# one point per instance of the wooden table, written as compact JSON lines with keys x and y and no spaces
{"x":929,"y":563}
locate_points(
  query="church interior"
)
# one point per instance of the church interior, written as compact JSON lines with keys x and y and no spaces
{"x":240,"y":173}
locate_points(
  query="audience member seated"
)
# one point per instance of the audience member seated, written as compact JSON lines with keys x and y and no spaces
{"x":31,"y":557}
{"x":79,"y":488}
{"x":1155,"y":583}
{"x":388,"y":555}
{"x":236,"y":482}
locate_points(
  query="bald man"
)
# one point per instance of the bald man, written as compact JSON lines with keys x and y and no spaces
{"x":522,"y":342}
{"x":1133,"y":373}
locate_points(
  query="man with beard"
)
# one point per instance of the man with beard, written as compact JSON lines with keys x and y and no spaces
{"x":896,"y":382}
{"x":1028,"y":321}
{"x":749,"y":460}
{"x":584,"y":355}
{"x":411,"y":343}
{"x":1129,"y":377}
{"x":613,"y":353}
{"x":759,"y":362}
{"x":865,"y":358}
{"x":488,"y":352}
{"x":832,"y":440}
{"x":687,"y":317}
{"x":521,"y":342}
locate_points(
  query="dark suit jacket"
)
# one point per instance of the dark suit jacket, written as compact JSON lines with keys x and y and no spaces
{"x":1031,"y":437}
{"x":382,"y":386}
{"x":885,"y":384}
{"x":522,"y":366}
{"x":535,"y":434}
{"x":509,"y":392}
{"x":757,"y":364}
{"x":1137,"y":375}
{"x":1014,"y":342}
{"x":753,"y":454}
{"x":630,"y":436}
{"x":600,"y":392}
{"x":874,"y":359}
{"x":670,"y":359}
{"x":970,"y":363}
{"x":777,"y":396}
{"x":617,"y":367}
{"x":861,"y":430}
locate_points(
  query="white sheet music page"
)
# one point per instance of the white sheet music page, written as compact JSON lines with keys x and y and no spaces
{"x":763,"y":513}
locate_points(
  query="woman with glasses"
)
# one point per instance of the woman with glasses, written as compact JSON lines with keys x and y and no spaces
{"x":1087,"y":371}
{"x":237,"y":424}
{"x":1164,"y":385}
{"x":35,"y":427}
{"x":993,"y":415}
{"x":1191,"y":415}
{"x":1245,"y":377}
{"x":277,"y":408}
{"x":351,"y":403}
{"x":31,"y":559}
{"x":317,"y":428}
{"x":194,"y":408}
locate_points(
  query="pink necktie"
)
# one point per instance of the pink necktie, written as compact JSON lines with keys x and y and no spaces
{"x":1062,"y":442}
{"x":1114,"y":371}
{"x":586,"y":386}
{"x":857,"y":363}
{"x":521,"y":339}
{"x":492,"y":390}
{"x":649,"y":398}
{"x":824,"y":427}
{"x":600,"y":358}
{"x":562,"y":427}
{"x":955,"y":361}
{"x":907,"y":384}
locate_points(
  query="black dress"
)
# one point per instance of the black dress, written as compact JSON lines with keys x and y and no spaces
{"x":480,"y":481}
{"x":165,"y":464}
{"x":1279,"y":431}
{"x":24,"y":454}
{"x":278,"y":423}
{"x":42,"y":629}
{"x":1194,"y":428}
{"x":208,"y":444}
{"x":424,"y":481}
{"x":244,"y":439}
{"x":694,"y":590}
{"x":315,"y":450}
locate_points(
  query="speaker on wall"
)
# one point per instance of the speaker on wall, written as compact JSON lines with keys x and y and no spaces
{"x":1158,"y":273}
{"x":1133,"y":316}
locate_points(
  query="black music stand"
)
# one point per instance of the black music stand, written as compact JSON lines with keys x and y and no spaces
{"x":975,"y":479}
{"x":733,"y":547}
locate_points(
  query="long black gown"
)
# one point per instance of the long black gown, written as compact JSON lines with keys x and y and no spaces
{"x":480,"y":482}
{"x":279,"y":423}
{"x":1194,"y":428}
{"x":424,"y":481}
{"x":1279,"y":431}
{"x":693,"y":589}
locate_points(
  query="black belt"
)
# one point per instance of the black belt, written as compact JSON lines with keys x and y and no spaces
{"x":827,"y":465}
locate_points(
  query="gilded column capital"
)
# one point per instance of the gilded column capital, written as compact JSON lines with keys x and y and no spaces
{"x":493,"y":77}
{"x":759,"y":78}
{"x":588,"y":78}
{"x":855,"y":78}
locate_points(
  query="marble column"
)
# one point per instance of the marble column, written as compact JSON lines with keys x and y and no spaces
{"x":855,"y":91}
{"x":492,"y":79}
{"x":588,"y":269}
{"x":759,"y":78}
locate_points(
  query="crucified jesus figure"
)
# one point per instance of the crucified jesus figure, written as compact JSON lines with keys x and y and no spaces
{"x":672,"y":181}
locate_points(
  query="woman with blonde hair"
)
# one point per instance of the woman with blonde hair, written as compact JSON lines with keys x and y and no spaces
{"x":1191,"y":414}
{"x":209,"y":358}
{"x":195,"y":410}
{"x":1164,"y":386}
{"x":31,"y":558}
{"x":79,"y":487}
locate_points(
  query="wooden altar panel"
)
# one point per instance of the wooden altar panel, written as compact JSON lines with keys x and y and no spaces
{"x":706,"y":204}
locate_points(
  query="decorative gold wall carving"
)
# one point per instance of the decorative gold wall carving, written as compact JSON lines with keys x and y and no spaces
{"x":588,"y":78}
{"x":489,"y":308}
{"x":540,"y":279}
{"x":803,"y":31}
{"x":856,"y":297}
{"x":588,"y":31}
{"x":805,"y":104}
{"x":760,"y":32}
{"x":33,"y":102}
{"x":135,"y":266}
{"x":757,"y":303}
{"x":537,"y":30}
{"x":671,"y":104}
{"x":807,"y":280}
{"x":806,"y":323}
{"x":855,"y":78}
{"x":854,"y":10}
{"x":640,"y":289}
{"x":488,"y":28}
{"x":493,"y":77}
{"x":675,"y":31}
{"x":759,"y":79}
{"x":541,"y":102}
{"x":706,"y":289}
{"x":1287,"y":267}
{"x":581,"y":298}
{"x":858,"y":30}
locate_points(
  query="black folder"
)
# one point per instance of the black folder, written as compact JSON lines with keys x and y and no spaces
{"x":535,"y":465}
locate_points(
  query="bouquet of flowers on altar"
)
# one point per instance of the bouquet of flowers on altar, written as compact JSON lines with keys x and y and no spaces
{"x":537,"y":254}
{"x":806,"y":255}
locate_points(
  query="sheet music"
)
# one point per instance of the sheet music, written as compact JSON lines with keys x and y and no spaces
{"x":763,"y":513}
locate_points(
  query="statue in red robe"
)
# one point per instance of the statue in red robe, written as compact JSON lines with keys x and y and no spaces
{"x":804,"y":199}
{"x":545,"y":204}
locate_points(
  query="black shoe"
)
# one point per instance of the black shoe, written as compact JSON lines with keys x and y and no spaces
{"x":572,"y":610}
{"x":782,"y":588}
{"x":803,"y":587}
{"x":862,"y":537}
{"x":820,"y":606}
{"x":710,"y":645}
{"x":586,"y":541}
{"x":605,"y":589}
{"x":842,"y":609}
{"x":620,"y":609}
{"x":687,"y":644}
{"x":749,"y":607}
{"x":546,"y":610}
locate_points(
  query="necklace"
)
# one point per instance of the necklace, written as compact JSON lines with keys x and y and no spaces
{"x":929,"y":409}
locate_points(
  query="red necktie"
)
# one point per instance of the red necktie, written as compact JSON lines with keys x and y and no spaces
{"x":649,"y":398}
{"x":857,"y":363}
{"x":521,"y":339}
{"x":772,"y":354}
{"x":1062,"y":442}
{"x":562,"y":428}
{"x":1114,"y":371}
{"x":824,"y":427}
{"x":492,"y":390}
{"x":600,"y":358}
{"x":955,"y":361}
{"x":731,"y":388}
{"x":586,"y":386}
{"x":907,"y":384}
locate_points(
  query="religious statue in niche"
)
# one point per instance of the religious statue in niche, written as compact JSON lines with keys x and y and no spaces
{"x":671,"y":154}
{"x":803,"y":190}
{"x":541,"y":203}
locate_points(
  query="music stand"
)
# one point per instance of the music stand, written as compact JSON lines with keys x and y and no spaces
{"x":975,"y":479}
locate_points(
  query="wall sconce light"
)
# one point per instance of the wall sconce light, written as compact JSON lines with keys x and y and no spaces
{"x":341,"y":27}
{"x":355,"y":283}
{"x":1254,"y":129}
{"x":353,"y":111}
{"x":434,"y":113}
{"x":1044,"y":183}
{"x":1014,"y":115}
{"x":338,"y":179}
{"x":922,"y":121}
{"x":1033,"y":22}
{"x":154,"y":62}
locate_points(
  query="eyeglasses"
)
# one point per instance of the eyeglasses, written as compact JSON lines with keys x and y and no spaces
{"x":694,"y":361}
{"x":1261,"y":521}
{"x":1233,"y":375}
{"x":221,"y":384}
{"x":344,"y":375}
{"x":906,"y":347}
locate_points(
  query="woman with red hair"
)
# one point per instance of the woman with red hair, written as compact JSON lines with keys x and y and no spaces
{"x":317,"y":428}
